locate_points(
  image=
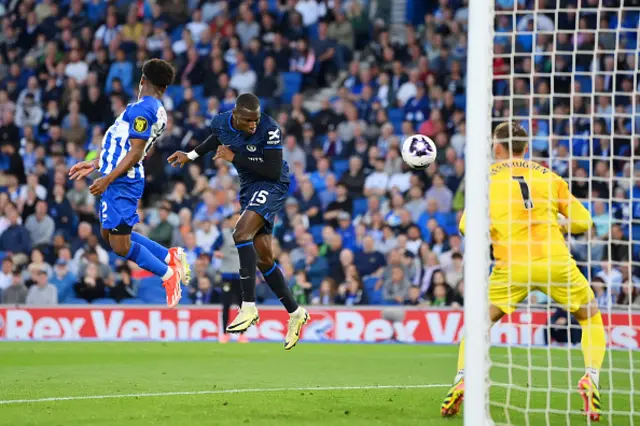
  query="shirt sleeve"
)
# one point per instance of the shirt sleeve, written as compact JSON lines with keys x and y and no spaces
{"x":273,"y":138}
{"x":141,"y":118}
{"x":578,"y":217}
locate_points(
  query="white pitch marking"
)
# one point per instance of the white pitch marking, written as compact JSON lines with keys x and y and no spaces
{"x":216,"y":392}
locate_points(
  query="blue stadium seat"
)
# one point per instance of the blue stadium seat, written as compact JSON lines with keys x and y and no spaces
{"x":359,"y":206}
{"x":132,"y":301}
{"x":175,"y":93}
{"x":374,"y":297}
{"x":312,"y":31}
{"x":292,"y":82}
{"x":154,"y":299}
{"x":340,"y":167}
{"x":460,"y":101}
{"x":75,"y":301}
{"x":104,"y":301}
{"x":185,"y":300}
{"x":271,"y":302}
{"x":396,"y":116}
{"x":198,"y":93}
{"x":176,"y":34}
{"x":370,"y":284}
{"x":316,"y":232}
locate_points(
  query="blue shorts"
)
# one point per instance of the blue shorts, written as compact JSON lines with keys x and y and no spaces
{"x":119,"y":203}
{"x":265,"y":198}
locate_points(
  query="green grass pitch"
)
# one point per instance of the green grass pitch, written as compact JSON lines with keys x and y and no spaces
{"x":261,"y":384}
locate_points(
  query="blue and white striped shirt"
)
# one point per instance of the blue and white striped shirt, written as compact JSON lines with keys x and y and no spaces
{"x":145,"y":119}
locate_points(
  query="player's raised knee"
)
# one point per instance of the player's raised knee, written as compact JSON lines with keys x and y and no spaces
{"x":120,"y":247}
{"x":265,"y":263}
{"x":240,"y":235}
{"x":587,"y":311}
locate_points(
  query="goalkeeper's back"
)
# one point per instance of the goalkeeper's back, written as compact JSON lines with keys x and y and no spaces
{"x":524,"y":201}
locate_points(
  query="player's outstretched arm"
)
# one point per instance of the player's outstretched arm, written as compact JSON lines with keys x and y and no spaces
{"x":180,"y":158}
{"x":133,"y":157}
{"x":269,"y":166}
{"x":578,"y":217}
{"x":83,"y":169}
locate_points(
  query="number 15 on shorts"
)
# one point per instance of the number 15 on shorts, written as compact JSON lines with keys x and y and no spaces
{"x":259,"y":198}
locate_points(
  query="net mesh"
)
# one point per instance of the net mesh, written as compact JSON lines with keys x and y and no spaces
{"x":568,"y":72}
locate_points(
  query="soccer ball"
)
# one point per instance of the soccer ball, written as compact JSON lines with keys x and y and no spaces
{"x":418,"y":151}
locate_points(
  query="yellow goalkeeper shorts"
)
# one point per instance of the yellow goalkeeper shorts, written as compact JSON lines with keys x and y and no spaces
{"x":563,"y":282}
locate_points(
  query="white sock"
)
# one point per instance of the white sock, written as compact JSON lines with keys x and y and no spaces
{"x":296,"y":312}
{"x":595,"y":375}
{"x":167,"y":258}
{"x":459,"y":376}
{"x":167,"y":274}
{"x":248,"y":305}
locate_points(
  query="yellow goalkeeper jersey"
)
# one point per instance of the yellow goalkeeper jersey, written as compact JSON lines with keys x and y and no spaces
{"x":524,"y":201}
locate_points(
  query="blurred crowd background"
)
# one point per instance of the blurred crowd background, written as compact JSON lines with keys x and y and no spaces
{"x":347,"y":81}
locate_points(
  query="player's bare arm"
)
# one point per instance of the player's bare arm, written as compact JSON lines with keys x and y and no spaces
{"x":133,"y":157}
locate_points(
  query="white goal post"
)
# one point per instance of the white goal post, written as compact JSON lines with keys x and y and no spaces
{"x":476,"y":255}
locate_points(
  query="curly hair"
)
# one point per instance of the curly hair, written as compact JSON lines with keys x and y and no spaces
{"x":160,"y":73}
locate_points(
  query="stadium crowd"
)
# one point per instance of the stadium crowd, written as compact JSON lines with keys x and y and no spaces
{"x":359,"y":227}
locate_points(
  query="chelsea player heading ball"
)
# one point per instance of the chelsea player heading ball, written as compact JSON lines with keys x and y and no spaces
{"x":252,"y":141}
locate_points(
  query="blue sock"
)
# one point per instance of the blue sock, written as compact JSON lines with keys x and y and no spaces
{"x":156,"y":249}
{"x":147,"y":261}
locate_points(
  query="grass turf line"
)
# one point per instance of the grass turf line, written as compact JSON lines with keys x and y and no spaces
{"x":227,"y":372}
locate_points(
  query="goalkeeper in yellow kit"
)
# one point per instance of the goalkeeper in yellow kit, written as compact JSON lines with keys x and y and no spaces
{"x":530,"y":253}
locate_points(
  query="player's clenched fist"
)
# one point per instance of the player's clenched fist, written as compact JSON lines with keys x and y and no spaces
{"x":178,"y":158}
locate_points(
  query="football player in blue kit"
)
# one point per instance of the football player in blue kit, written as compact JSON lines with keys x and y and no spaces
{"x":252,"y":141}
{"x":121,"y":182}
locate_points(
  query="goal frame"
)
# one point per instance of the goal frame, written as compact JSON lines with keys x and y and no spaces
{"x":476,"y":251}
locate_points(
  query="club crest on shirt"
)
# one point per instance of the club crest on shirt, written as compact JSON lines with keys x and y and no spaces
{"x":251,"y":148}
{"x":140,"y":124}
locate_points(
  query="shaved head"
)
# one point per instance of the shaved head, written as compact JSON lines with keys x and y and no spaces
{"x":248,"y":101}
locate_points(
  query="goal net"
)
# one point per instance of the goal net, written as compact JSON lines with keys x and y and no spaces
{"x":568,"y":72}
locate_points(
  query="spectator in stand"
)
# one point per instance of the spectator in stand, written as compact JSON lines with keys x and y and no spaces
{"x":42,"y":292}
{"x":351,"y":291}
{"x":124,"y":287}
{"x":91,"y":286}
{"x":16,"y":294}
{"x":342,"y":204}
{"x":63,"y":279}
{"x":6,"y":274}
{"x":40,"y":225}
{"x":370,"y":262}
{"x":304,"y":62}
{"x":204,"y":293}
{"x":316,"y":267}
{"x":15,"y":239}
{"x":301,"y":287}
{"x":354,"y":178}
{"x":309,"y":203}
{"x":396,"y":285}
{"x":414,"y":298}
{"x":162,"y":233}
{"x":376,"y":183}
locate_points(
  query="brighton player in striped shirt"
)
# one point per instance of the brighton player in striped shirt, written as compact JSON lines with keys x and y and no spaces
{"x":121,"y":182}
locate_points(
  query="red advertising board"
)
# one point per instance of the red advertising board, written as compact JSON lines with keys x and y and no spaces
{"x":331,"y":324}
